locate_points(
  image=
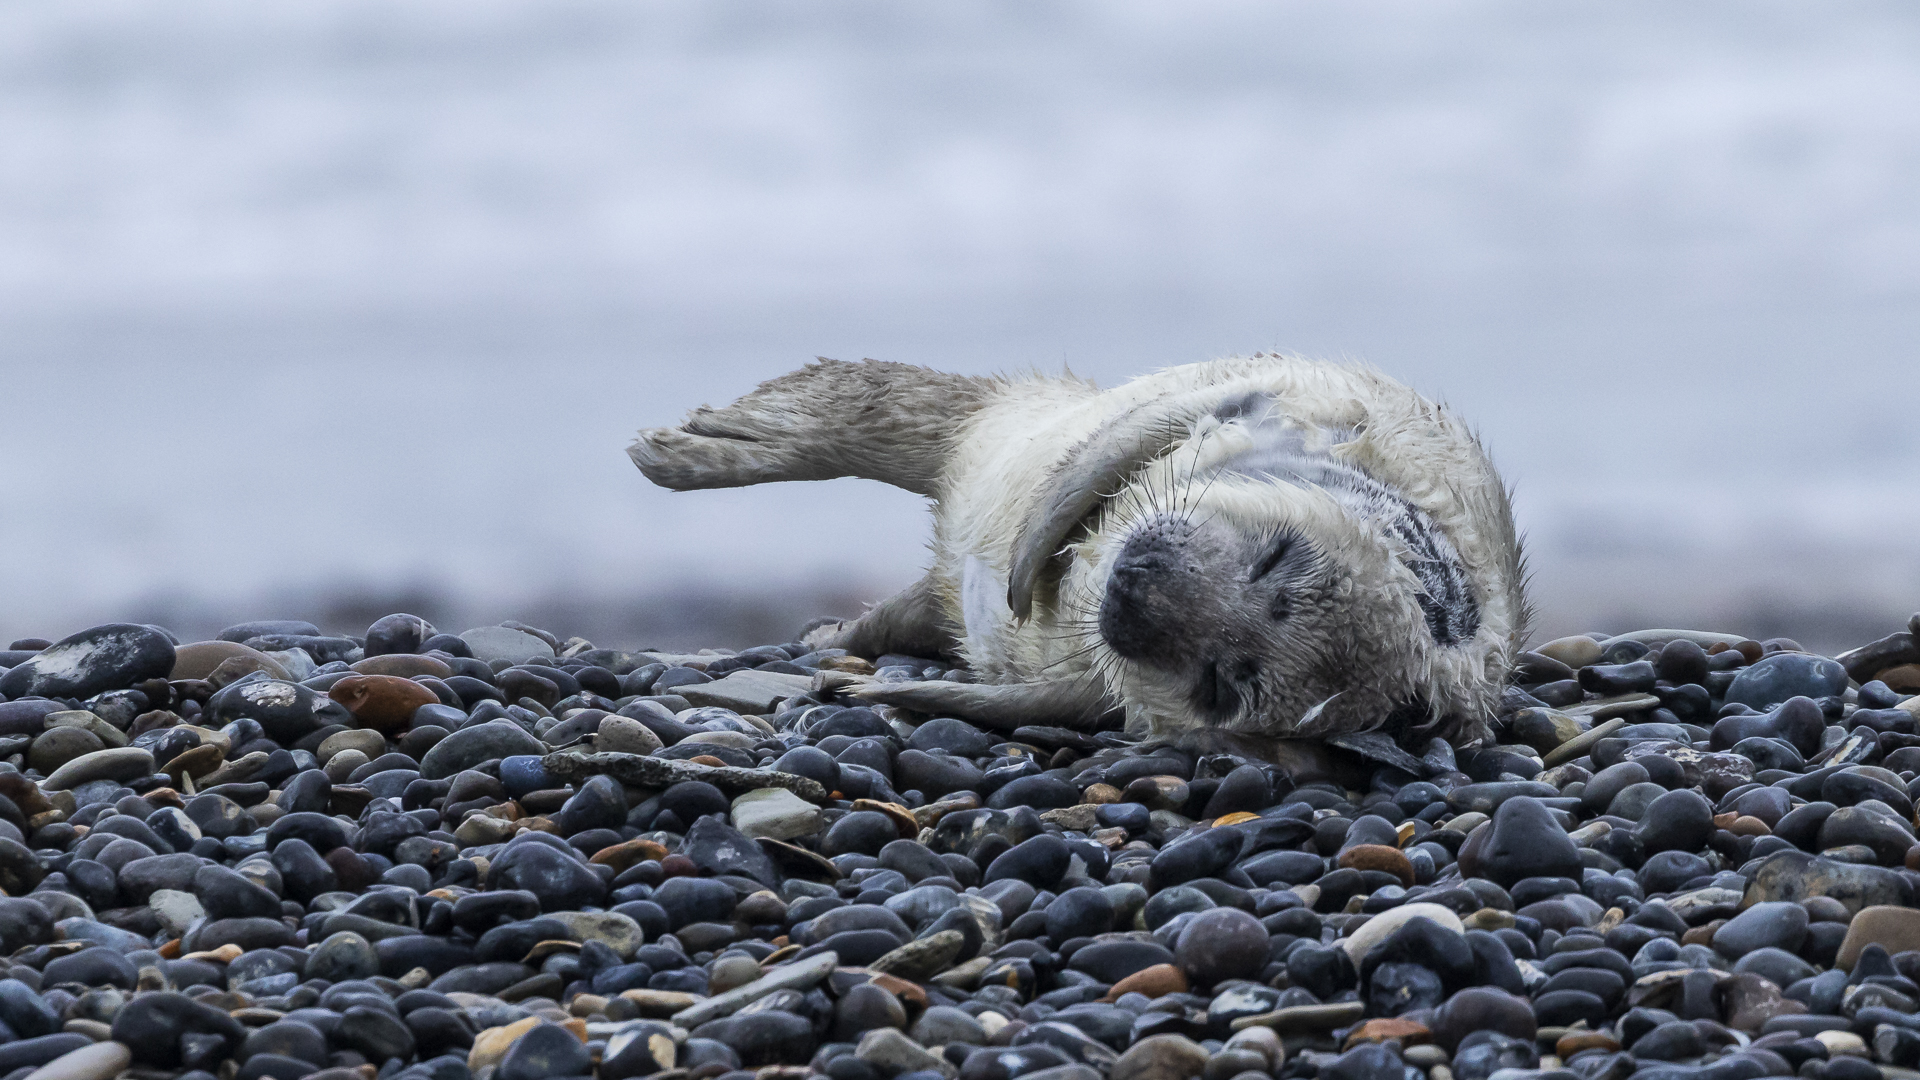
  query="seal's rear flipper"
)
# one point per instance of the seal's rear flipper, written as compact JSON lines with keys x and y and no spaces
{"x":889,"y":422}
{"x":1070,"y":703}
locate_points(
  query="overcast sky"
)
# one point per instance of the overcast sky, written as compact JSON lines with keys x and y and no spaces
{"x":361,"y":296}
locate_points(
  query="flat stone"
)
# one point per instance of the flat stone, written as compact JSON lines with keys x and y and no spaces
{"x":1382,"y":926}
{"x":922,"y":959}
{"x":776,"y":813}
{"x":115,"y":763}
{"x":1306,"y":1019}
{"x":198,"y":659}
{"x":490,"y":643}
{"x":175,"y":909}
{"x":892,"y":1052}
{"x":101,"y":1061}
{"x":1608,"y":708}
{"x":1581,"y":743}
{"x":747,"y":690}
{"x":799,"y":975}
{"x":653,"y":772}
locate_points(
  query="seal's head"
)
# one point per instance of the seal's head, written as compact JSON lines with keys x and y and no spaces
{"x":1256,"y":580}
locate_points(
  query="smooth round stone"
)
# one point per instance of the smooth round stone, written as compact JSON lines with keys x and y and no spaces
{"x":1632,"y":801}
{"x":956,"y":737}
{"x":1038,"y":792}
{"x":1669,"y":870}
{"x":1110,"y":961}
{"x":1247,"y":789}
{"x":1220,"y":944}
{"x":1484,"y":1053}
{"x":1773,"y":679}
{"x":57,"y":746}
{"x":776,"y":813}
{"x":1677,"y":821}
{"x":288,"y":1039}
{"x":201,"y":659}
{"x":1194,"y":857}
{"x":1777,"y":966}
{"x":342,"y":956}
{"x":1397,"y":987}
{"x":546,"y":1051}
{"x":624,"y":735}
{"x":811,"y":762}
{"x":693,"y":899}
{"x":286,"y":711}
{"x":935,"y":776}
{"x":863,"y":1008}
{"x":109,"y":657}
{"x":490,"y":643}
{"x":152,"y":1026}
{"x":91,"y":967}
{"x":1482,"y":1009}
{"x":1895,"y":928}
{"x":691,"y":800}
{"x":754,"y":1040}
{"x":120,"y":763}
{"x":384,"y":703}
{"x":368,"y":742}
{"x":472,"y":745}
{"x":1081,"y":912}
{"x":554,"y":874}
{"x":1040,"y":862}
{"x":601,"y":803}
{"x":1774,"y":924}
{"x":1523,"y":840}
{"x":398,"y":633}
{"x":863,"y":832}
{"x":1162,"y":907}
{"x":1368,"y":1061}
{"x":1382,"y":926}
{"x":943,"y":1024}
{"x":731,"y":971}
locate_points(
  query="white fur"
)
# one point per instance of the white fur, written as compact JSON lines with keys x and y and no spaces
{"x":1010,"y":447}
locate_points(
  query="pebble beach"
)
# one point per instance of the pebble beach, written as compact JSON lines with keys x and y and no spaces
{"x":507,"y":854}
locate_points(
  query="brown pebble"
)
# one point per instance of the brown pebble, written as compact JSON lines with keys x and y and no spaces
{"x":903,"y":819}
{"x":1380,"y":857}
{"x":1100,"y":794}
{"x":385,"y":703}
{"x":1156,"y":981}
{"x":1575,"y":1041}
{"x":624,"y":855}
{"x":1407,"y":1032}
{"x":1702,"y":935}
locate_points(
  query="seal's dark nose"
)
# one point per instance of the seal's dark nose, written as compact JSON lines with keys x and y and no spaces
{"x":1141,"y":610}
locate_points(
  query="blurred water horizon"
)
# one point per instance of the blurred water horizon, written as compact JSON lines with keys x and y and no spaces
{"x":340,"y":309}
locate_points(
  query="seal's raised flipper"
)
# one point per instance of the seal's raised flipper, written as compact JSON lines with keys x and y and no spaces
{"x":1073,"y":703}
{"x":880,"y":421}
{"x":910,"y":622}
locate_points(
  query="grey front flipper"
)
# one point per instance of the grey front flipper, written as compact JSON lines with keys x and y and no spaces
{"x":1094,"y":470}
{"x":910,"y":622}
{"x":1075,"y":703}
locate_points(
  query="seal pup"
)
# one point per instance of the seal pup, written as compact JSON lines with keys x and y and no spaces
{"x":1230,"y":553}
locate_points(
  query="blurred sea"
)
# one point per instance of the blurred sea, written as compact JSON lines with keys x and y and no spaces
{"x":334,"y":309}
